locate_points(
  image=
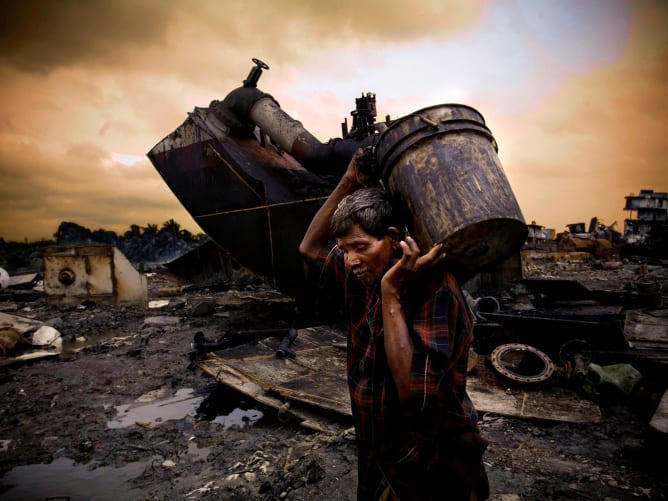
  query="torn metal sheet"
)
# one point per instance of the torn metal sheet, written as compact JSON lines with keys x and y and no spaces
{"x":25,"y":287}
{"x":32,"y":334}
{"x":647,"y":331}
{"x":548,"y":403}
{"x":300,"y":388}
{"x":24,"y":280}
{"x":209,"y":263}
{"x":24,"y":325}
{"x":312,"y":388}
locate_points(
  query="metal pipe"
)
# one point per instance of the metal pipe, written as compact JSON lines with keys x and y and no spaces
{"x":292,"y":137}
{"x":247,"y":107}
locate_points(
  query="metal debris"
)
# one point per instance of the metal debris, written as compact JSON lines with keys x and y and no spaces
{"x":91,"y":273}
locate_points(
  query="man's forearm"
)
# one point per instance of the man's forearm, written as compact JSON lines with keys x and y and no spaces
{"x":398,"y":344}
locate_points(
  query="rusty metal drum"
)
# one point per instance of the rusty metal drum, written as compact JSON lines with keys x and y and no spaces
{"x":441,"y":166}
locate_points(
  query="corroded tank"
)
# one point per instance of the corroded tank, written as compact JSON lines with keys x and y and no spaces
{"x":252,"y":177}
{"x":441,"y":165}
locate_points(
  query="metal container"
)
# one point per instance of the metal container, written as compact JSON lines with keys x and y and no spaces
{"x":99,"y":273}
{"x":441,"y":166}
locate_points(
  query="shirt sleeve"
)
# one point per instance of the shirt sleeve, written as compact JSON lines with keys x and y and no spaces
{"x":440,"y":331}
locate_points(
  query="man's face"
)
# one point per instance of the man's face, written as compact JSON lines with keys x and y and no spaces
{"x":366,"y":256}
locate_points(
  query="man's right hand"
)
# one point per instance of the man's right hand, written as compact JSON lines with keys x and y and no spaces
{"x":317,"y":234}
{"x":362,"y":168}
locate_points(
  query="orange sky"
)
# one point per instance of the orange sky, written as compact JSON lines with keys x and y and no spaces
{"x":574,"y":92}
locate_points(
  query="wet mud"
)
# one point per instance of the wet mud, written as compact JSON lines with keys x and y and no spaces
{"x":120,"y":415}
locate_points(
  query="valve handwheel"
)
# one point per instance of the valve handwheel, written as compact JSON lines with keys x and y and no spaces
{"x":261,"y":64}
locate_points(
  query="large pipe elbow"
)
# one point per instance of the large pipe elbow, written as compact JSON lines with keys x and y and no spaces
{"x":234,"y":110}
{"x":284,"y":130}
{"x":247,"y":107}
{"x":292,"y":137}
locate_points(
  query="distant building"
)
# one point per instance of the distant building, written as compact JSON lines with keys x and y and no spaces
{"x":576,"y":228}
{"x":539,"y":237}
{"x":651,"y":214}
{"x":538,"y":232}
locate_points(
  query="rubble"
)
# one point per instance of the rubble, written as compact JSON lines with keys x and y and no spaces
{"x":546,"y":441}
{"x":22,"y":339}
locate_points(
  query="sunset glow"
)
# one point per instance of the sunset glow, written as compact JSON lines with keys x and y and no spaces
{"x":574,"y":93}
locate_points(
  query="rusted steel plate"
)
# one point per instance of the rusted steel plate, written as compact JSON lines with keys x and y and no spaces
{"x":545,"y":402}
{"x":312,"y":387}
{"x":313,"y":381}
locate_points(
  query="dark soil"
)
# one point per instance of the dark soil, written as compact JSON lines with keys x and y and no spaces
{"x":67,"y":412}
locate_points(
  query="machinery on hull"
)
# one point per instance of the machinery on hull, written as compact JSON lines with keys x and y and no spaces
{"x":252,"y":177}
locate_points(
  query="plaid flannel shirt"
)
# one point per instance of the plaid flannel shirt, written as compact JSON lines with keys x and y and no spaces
{"x":427,"y":447}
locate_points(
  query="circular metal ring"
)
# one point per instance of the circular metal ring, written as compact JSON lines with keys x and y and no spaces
{"x":485,"y":304}
{"x":521,"y":363}
{"x":66,"y":276}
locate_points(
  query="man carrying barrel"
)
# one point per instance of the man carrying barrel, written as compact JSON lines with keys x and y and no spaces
{"x":409,"y":334}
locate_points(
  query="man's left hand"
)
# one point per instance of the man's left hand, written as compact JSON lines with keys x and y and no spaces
{"x":410,"y":265}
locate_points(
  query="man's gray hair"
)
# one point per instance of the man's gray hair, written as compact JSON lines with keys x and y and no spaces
{"x":370,"y":208}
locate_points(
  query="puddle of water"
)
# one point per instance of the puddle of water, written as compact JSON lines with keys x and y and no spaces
{"x":64,"y":479}
{"x":228,"y":408}
{"x":100,"y":342}
{"x":183,"y":403}
{"x":239,"y":417}
{"x":158,"y":303}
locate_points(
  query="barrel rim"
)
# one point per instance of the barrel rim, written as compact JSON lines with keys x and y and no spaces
{"x":458,"y":105}
{"x":395,"y":123}
{"x":387,"y":156}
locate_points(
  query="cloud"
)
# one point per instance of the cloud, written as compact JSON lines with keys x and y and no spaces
{"x":574,"y":95}
{"x":83,"y":185}
{"x":595,"y":141}
{"x":38,"y":36}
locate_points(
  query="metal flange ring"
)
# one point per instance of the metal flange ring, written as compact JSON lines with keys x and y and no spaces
{"x":521,"y":363}
{"x":66,"y":276}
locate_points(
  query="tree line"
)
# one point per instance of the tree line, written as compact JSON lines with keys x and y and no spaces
{"x":140,"y":244}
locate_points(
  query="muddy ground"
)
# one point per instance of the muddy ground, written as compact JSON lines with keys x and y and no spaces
{"x":122,"y":416}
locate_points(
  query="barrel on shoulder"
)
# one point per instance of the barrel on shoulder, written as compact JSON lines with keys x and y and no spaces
{"x":441,"y":166}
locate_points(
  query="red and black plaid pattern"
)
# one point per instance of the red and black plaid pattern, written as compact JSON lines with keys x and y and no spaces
{"x":432,"y":438}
